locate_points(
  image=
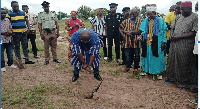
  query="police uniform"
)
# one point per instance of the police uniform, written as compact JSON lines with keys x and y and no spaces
{"x":113,"y":22}
{"x":49,"y":30}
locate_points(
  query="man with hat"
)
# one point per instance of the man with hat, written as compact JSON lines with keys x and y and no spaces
{"x":153,"y":43}
{"x":112,"y":31}
{"x":32,"y":34}
{"x":49,"y":32}
{"x":181,"y":61}
{"x":72,"y":25}
{"x":125,"y":14}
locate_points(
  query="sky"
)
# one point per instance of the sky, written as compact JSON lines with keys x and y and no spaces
{"x":67,"y":6}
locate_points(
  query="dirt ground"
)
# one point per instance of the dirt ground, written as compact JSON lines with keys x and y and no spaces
{"x":48,"y":87}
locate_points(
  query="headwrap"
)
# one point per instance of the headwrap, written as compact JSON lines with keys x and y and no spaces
{"x":74,"y":13}
{"x":186,"y":4}
{"x":151,"y":7}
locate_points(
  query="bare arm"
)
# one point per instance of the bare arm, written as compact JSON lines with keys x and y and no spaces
{"x":57,"y":27}
{"x":92,"y":58}
{"x":28,"y":25}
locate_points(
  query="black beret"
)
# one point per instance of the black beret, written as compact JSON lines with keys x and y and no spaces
{"x":113,"y":5}
{"x":126,"y":9}
{"x":45,"y":3}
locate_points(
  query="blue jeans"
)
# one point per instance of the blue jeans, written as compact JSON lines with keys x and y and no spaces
{"x":130,"y":55}
{"x":17,"y":38}
{"x":76,"y":70}
{"x":9,"y":52}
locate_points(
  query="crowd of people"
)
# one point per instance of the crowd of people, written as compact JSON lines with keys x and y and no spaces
{"x":154,"y":43}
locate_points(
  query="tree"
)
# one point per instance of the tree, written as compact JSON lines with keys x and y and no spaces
{"x":61,"y":15}
{"x":143,"y":10}
{"x":93,"y":13}
{"x":84,"y":12}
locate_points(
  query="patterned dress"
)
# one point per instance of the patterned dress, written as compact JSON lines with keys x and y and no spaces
{"x":87,"y":49}
{"x":154,"y":64}
{"x":181,"y":61}
{"x":69,"y":24}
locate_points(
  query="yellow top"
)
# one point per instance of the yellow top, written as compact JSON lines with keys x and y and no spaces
{"x":170,"y":18}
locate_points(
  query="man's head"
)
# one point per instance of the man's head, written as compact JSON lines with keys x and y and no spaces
{"x":3,"y":13}
{"x":196,"y":7}
{"x":15,"y":6}
{"x":134,"y":13}
{"x":151,"y":10}
{"x":126,"y":11}
{"x":100,"y":11}
{"x":178,"y":8}
{"x":186,"y":8}
{"x":113,"y":7}
{"x":74,"y":14}
{"x":85,"y":36}
{"x":45,"y":6}
{"x":25,"y":8}
{"x":172,"y":8}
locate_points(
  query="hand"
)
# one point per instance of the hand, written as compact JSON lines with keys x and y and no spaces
{"x":85,"y":66}
{"x":174,"y":38}
{"x":42,"y":36}
{"x":27,"y":31}
{"x":9,"y":32}
{"x":163,"y":46}
{"x":88,"y":70}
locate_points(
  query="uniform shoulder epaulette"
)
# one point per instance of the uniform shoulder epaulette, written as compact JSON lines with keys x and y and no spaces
{"x":53,"y":11}
{"x":40,"y":12}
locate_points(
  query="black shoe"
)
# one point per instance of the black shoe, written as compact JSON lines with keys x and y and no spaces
{"x":75,"y":77}
{"x":57,"y":61}
{"x":46,"y":62}
{"x":29,"y":62}
{"x":36,"y":57}
{"x":109,"y":60}
{"x":98,"y":77}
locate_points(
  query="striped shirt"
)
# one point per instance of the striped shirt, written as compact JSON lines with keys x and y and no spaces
{"x":18,"y":21}
{"x":99,"y":25}
{"x":87,"y":49}
{"x":130,"y":41}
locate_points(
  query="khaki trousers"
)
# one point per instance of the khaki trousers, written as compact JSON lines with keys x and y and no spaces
{"x":50,"y":40}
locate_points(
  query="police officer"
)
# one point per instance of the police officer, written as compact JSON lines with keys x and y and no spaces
{"x":112,"y":31}
{"x":49,"y":31}
{"x":125,"y":15}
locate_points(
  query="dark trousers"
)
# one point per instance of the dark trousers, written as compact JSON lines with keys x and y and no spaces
{"x":104,"y":46}
{"x":117,"y":46}
{"x":130,"y":55}
{"x":32,"y":38}
{"x":76,"y":70}
{"x":9,"y":52}
{"x":17,"y":38}
{"x":123,"y":55}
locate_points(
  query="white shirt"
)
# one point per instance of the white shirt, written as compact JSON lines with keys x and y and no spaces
{"x":99,"y":25}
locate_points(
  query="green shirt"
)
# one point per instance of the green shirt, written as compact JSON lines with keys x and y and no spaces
{"x":47,"y":19}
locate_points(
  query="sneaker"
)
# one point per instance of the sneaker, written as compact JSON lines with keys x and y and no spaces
{"x":3,"y":69}
{"x":46,"y":62}
{"x":118,"y":61}
{"x":13,"y":66}
{"x":57,"y":61}
{"x":126,"y":69}
{"x":143,"y":74}
{"x":36,"y":57}
{"x":135,"y":71}
{"x":159,"y":77}
{"x":98,"y":77}
{"x":105,"y":58}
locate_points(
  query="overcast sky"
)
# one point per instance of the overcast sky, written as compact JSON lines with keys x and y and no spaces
{"x":67,"y":5}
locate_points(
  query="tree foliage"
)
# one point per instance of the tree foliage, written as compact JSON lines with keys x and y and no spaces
{"x":84,"y":12}
{"x":95,"y":11}
{"x":61,"y":15}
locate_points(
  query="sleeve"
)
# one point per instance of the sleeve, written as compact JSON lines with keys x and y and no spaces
{"x":39,"y":18}
{"x":55,"y":17}
{"x":8,"y":16}
{"x":195,"y":24}
{"x":123,"y":24}
{"x":75,"y":40}
{"x":164,"y":29}
{"x":94,"y":49}
{"x":106,"y":18}
{"x":167,"y":18}
{"x":142,"y":25}
{"x":92,"y":20}
{"x":10,"y":26}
